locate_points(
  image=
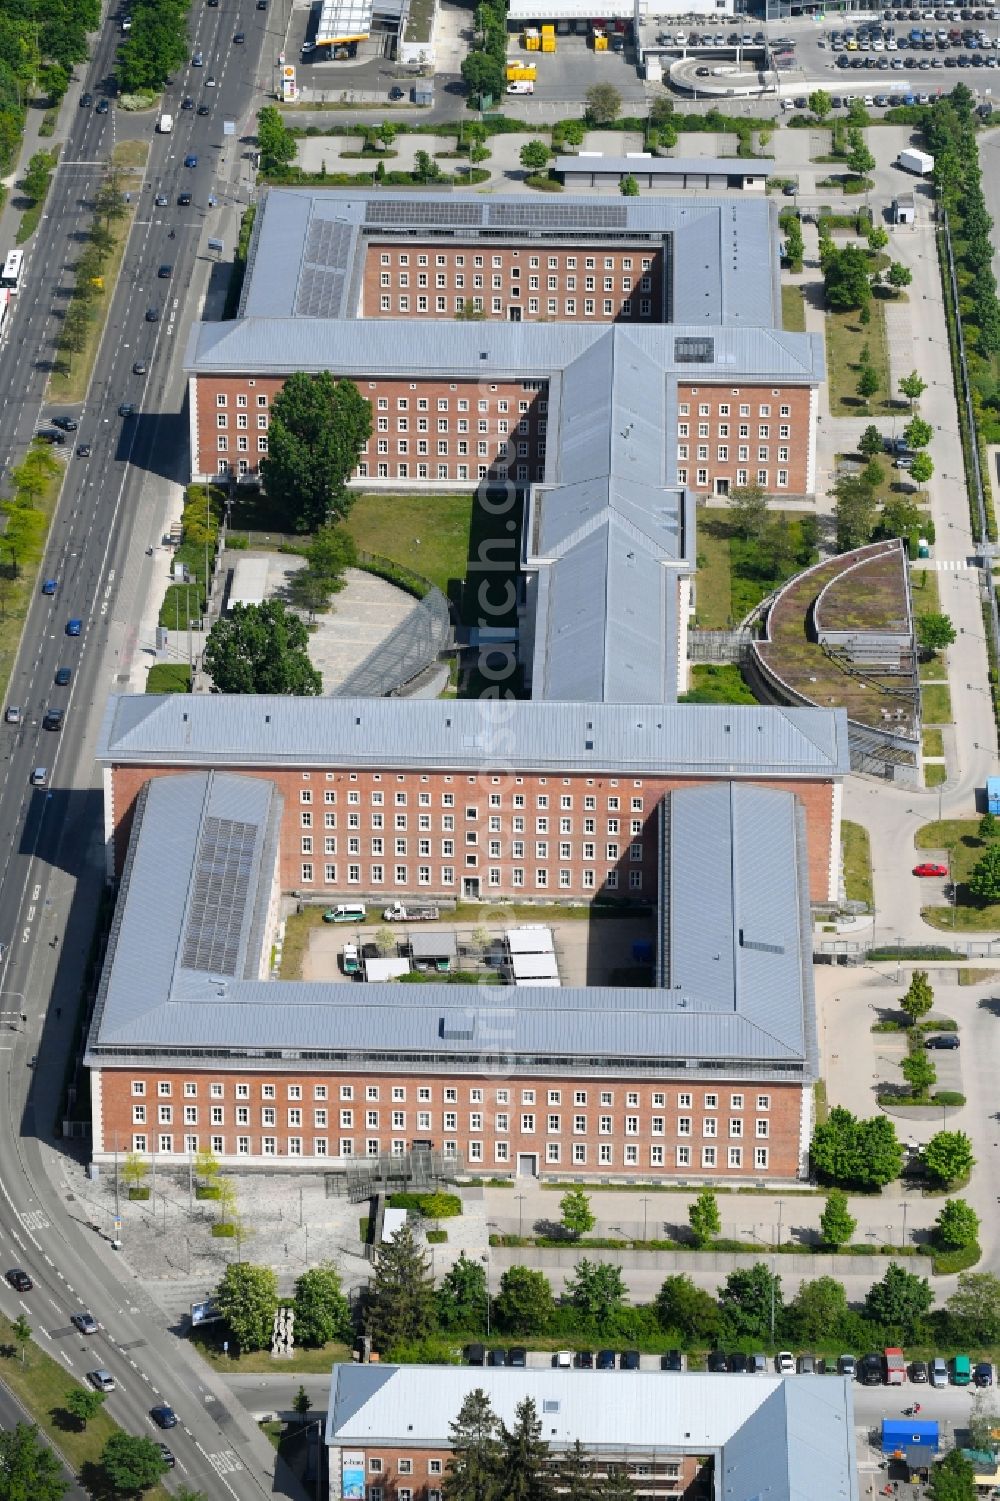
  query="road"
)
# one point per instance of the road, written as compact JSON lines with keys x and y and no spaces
{"x":51,"y":839}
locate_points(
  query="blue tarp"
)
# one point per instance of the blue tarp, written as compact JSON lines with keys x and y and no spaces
{"x":908,"y":1433}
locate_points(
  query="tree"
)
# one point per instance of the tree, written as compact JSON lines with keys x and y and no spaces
{"x":836,"y":1222}
{"x":689,"y":1310}
{"x":947,"y":1157}
{"x":846,"y":277}
{"x":917,"y":433}
{"x":83,"y":1404}
{"x":820,"y":103}
{"x":386,"y":133}
{"x":957,"y":1225}
{"x":322,"y":1312}
{"x":401,"y":1304}
{"x":132,"y":1464}
{"x":748,"y":504}
{"x":919,"y":1072}
{"x":852,"y":1153}
{"x":912,"y":386}
{"x":873,"y":475}
{"x":330,"y":553}
{"x":921,"y":468}
{"x":134,"y":1170}
{"x":859,"y":158}
{"x":868,"y":383}
{"x":28,"y":1467}
{"x":751,"y":1303}
{"x":471,"y":1470}
{"x":462,"y":1296}
{"x":261,"y":649}
{"x":603,"y":103}
{"x":870,"y":443}
{"x":704,"y":1217}
{"x":919,"y":997}
{"x":983,"y":1420}
{"x":857,"y":114}
{"x":524,"y":1472}
{"x":878,"y":237}
{"x":974,"y":1308}
{"x":574,"y":1475}
{"x":276,"y":144}
{"x":954,"y":1479}
{"x":899,"y":1302}
{"x":483,"y":74}
{"x":576,"y":1215}
{"x":21,"y":1331}
{"x":247,"y":1298}
{"x":989,"y":826}
{"x":629,"y":186}
{"x":597,"y":1291}
{"x":819,"y":1310}
{"x":534,"y":156}
{"x":934,"y":632}
{"x":855,"y":509}
{"x":425,"y":168}
{"x":899,"y":276}
{"x":318,"y":427}
{"x":206,"y":1167}
{"x":617,"y":1486}
{"x":303,"y":1401}
{"x":524,"y":1304}
{"x":984,"y":879}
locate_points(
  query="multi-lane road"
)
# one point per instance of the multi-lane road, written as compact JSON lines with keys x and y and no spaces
{"x":51,"y":838}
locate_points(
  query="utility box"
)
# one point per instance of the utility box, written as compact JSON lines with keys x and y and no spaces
{"x":993,"y":794}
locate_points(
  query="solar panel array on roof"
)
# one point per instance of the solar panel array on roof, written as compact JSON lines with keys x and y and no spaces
{"x":319,"y":293}
{"x":222,"y":875}
{"x":325,"y":262}
{"x":391,"y":211}
{"x":558,"y":215}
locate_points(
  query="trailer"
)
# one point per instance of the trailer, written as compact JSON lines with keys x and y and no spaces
{"x":993,"y":795}
{"x":400,"y":913}
{"x":165,"y":124}
{"x":911,"y":160}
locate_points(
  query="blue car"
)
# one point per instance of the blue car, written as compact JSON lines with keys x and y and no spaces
{"x":190,"y":161}
{"x":50,"y":586}
{"x":74,"y":627}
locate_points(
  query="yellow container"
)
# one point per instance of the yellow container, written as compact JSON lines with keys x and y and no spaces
{"x":521,"y":72}
{"x":548,"y":29}
{"x":548,"y":44}
{"x":600,"y":43}
{"x":533,"y":43}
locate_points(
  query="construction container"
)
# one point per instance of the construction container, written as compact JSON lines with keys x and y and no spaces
{"x":599,"y":40}
{"x":548,"y":44}
{"x":531,"y":41}
{"x":518,"y":72}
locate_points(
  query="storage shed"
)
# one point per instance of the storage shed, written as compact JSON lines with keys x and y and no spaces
{"x":913,"y":1440}
{"x":904,"y":209}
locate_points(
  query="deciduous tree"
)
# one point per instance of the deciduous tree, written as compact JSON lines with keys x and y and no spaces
{"x":603,"y":103}
{"x":974,"y":1308}
{"x":919,"y":1072}
{"x":534,"y":155}
{"x":921,"y":468}
{"x":524,"y":1304}
{"x":899,"y":1302}
{"x":29,"y":1471}
{"x":83,"y":1404}
{"x":275,"y":142}
{"x":917,"y":433}
{"x":912,"y":386}
{"x":919,"y":997}
{"x":597,"y":1291}
{"x":819,"y":1310}
{"x":953,"y":1479}
{"x":247,"y":1298}
{"x":934,"y":632}
{"x":322,"y":1312}
{"x":261,"y":649}
{"x":852,"y":1153}
{"x":688,"y":1310}
{"x":704,"y":1217}
{"x":576,"y":1215}
{"x":461,"y":1296}
{"x":871,"y":443}
{"x":957,"y":1225}
{"x":132,"y":1464}
{"x":836,"y":1223}
{"x":318,"y":427}
{"x":747,"y":1300}
{"x":748,"y":504}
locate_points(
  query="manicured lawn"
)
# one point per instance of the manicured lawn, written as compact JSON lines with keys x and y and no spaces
{"x":25,"y":536}
{"x":933,"y":743}
{"x":935,"y":774}
{"x":934,"y":670}
{"x":169,"y":677}
{"x":936,"y":701}
{"x":793,"y":309}
{"x":427,"y":533}
{"x":713,"y":581}
{"x":846,"y":337}
{"x":722,"y":684}
{"x":857,"y":862}
{"x":925,"y":591}
{"x":302,"y":1361}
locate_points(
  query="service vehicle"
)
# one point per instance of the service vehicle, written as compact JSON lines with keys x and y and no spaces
{"x":399,"y":912}
{"x":894,"y":1362}
{"x":346,"y":912}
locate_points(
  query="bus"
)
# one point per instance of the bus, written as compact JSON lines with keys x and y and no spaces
{"x":10,"y":277}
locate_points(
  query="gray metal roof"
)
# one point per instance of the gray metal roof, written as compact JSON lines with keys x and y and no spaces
{"x":735,"y":908}
{"x":155,"y":998}
{"x":182,"y":730}
{"x":791,"y":1439}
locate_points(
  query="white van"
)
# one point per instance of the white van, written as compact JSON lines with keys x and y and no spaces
{"x":521,"y":86}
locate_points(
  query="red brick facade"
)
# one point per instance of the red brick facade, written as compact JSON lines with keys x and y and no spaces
{"x":355,"y":834}
{"x":578,"y":284}
{"x":418,"y":1475}
{"x":455,"y":432}
{"x":730,"y":436}
{"x":494,"y":1122}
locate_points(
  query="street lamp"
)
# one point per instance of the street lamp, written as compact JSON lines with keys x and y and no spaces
{"x":486,"y":1258}
{"x":644,"y":1202}
{"x":520,"y":1215}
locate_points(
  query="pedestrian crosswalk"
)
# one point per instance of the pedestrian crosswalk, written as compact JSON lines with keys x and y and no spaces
{"x":945,"y":565}
{"x":225,"y":1462}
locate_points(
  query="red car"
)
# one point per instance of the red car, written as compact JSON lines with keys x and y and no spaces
{"x":930,"y":869}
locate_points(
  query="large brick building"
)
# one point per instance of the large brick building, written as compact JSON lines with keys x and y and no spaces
{"x":709,"y":1074}
{"x":690,"y":1435}
{"x":343,"y":280}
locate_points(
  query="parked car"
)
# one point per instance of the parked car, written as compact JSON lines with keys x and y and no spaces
{"x":870,"y":1370}
{"x":757,"y":1365}
{"x":807,"y":1365}
{"x":672,"y":1361}
{"x":607,"y":1360}
{"x":738,"y":1363}
{"x":784,"y":1363}
{"x":718,"y":1361}
{"x":947,"y":1040}
{"x":918,"y":1372}
{"x":496,"y":1357}
{"x":517,"y":1355}
{"x":19,"y":1280}
{"x":630,"y":1360}
{"x":847,"y":1366}
{"x":930,"y":868}
{"x":983,"y":1374}
{"x":563,"y":1360}
{"x":475,"y":1354}
{"x":939,"y":1371}
{"x":584,"y":1360}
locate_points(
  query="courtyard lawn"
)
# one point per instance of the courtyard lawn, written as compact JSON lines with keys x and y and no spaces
{"x":426,"y":533}
{"x":846,"y":337}
{"x":935,"y":774}
{"x":936,"y":701}
{"x":857,"y":862}
{"x":734,"y":574}
{"x":933,"y":743}
{"x":793,"y":309}
{"x":958,"y":840}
